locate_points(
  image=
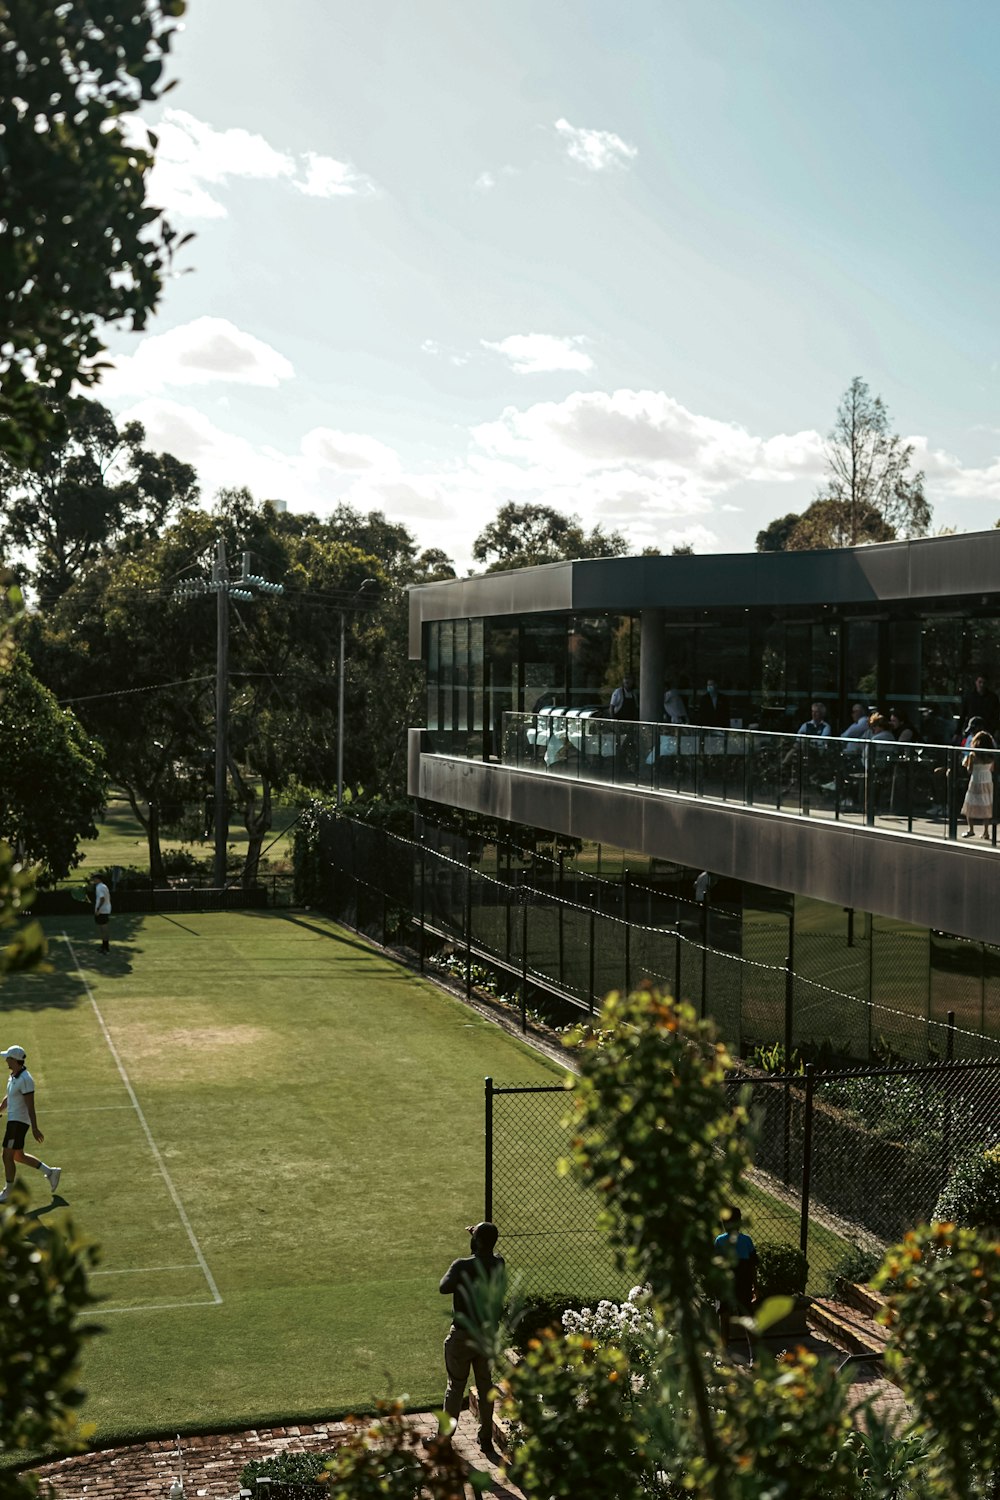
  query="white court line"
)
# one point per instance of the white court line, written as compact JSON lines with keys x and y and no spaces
{"x":188,"y":1265}
{"x":100,"y":1312}
{"x":203,"y":1263}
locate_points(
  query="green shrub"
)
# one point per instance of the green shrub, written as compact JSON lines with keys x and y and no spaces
{"x":178,"y":863}
{"x":857,"y":1265}
{"x":782,"y":1270}
{"x":971,"y":1196}
{"x":293,"y":1476}
{"x":539,"y":1311}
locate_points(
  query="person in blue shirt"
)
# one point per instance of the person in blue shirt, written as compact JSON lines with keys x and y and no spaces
{"x":733,"y":1245}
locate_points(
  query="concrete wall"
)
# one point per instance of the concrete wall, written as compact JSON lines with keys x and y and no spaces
{"x":950,"y":887}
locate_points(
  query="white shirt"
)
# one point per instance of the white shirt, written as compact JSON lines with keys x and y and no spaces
{"x":102,"y":900}
{"x":17,"y":1087}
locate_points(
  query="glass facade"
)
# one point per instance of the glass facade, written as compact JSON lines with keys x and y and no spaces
{"x":769,"y":665}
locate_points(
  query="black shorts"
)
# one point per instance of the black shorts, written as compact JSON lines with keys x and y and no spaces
{"x":102,"y":919}
{"x":15,"y":1134}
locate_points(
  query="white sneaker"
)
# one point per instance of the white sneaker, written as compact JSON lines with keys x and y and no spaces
{"x":54,"y":1174}
{"x":5,"y":1195}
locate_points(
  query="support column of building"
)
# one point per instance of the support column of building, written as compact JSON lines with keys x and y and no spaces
{"x":651,"y":664}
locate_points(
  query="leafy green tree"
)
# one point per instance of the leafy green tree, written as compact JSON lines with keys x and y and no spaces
{"x":522,"y":536}
{"x":44,"y":1276}
{"x":775,"y":536}
{"x":53,"y":785}
{"x":95,"y":488}
{"x":942,"y":1309}
{"x":22,"y":944}
{"x":80,"y":246}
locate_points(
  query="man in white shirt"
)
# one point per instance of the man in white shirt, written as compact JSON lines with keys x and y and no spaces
{"x":20,"y":1106}
{"x":102,"y":911}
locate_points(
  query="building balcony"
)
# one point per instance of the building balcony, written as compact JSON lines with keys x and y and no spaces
{"x":869,"y":825}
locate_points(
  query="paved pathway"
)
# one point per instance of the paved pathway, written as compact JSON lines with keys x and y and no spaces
{"x":212,"y":1464}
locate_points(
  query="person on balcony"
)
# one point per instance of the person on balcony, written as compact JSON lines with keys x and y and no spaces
{"x":711,"y":709}
{"x":978,"y":805}
{"x":625,"y":701}
{"x":674,"y":707}
{"x":981,"y":702}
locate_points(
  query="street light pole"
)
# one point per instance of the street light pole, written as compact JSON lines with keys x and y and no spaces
{"x":248,"y":586}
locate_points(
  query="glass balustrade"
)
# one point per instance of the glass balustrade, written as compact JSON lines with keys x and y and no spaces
{"x":914,"y":788}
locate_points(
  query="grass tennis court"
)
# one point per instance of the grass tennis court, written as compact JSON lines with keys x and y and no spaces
{"x":276,"y":1136}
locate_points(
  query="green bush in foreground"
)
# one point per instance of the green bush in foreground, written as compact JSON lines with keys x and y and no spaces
{"x":43,"y":1274}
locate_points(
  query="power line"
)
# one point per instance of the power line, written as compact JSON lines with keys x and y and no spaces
{"x":154,"y":687}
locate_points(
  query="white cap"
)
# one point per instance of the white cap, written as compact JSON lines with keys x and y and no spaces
{"x":17,"y":1052}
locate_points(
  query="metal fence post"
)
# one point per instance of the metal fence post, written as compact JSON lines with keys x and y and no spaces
{"x":423,"y":906}
{"x":524,"y":959}
{"x":704,"y":956}
{"x":468,"y":931}
{"x":562,"y":947}
{"x":677,"y":962}
{"x":950,"y":1045}
{"x":807,"y":1129}
{"x":590,"y":946}
{"x":488,"y":1174}
{"x":628,"y":958}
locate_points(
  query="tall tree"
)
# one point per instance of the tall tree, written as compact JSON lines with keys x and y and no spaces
{"x":53,"y":785}
{"x":80,"y":246}
{"x":93,"y":488}
{"x":522,"y":536}
{"x":870,"y":495}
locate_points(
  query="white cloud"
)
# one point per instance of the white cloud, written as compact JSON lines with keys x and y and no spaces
{"x":597,"y":150}
{"x":327,"y":178}
{"x":637,"y":461}
{"x":205,"y":351}
{"x":194,"y":161}
{"x":539,"y":353}
{"x":484,"y":183}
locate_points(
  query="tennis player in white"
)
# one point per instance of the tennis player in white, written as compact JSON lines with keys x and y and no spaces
{"x":20,"y":1106}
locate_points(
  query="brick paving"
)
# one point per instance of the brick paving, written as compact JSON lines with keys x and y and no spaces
{"x":212,"y":1464}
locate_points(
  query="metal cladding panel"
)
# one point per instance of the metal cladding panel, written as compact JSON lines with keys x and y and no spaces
{"x":945,"y":886}
{"x":945,"y":568}
{"x":514,"y":592}
{"x":970,"y":564}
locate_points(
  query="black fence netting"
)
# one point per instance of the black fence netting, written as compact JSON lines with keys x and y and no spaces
{"x":844,"y":1164}
{"x":856,"y":989}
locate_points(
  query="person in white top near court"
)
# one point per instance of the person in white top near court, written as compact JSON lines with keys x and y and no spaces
{"x":20,"y":1106}
{"x":102,"y":911}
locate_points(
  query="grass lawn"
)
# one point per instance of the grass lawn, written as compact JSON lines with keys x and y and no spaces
{"x":121,"y":840}
{"x":276,"y":1137}
{"x":318,"y":1111}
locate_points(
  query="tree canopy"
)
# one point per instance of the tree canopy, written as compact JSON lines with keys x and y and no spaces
{"x":522,"y":536}
{"x":53,"y":784}
{"x":80,"y":246}
{"x":870,"y":494}
{"x":94,"y":486}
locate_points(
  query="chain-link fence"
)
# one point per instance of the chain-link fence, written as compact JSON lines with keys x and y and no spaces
{"x":844,"y":1163}
{"x":857,"y":991}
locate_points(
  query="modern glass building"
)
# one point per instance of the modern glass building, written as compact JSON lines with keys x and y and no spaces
{"x":905,"y":625}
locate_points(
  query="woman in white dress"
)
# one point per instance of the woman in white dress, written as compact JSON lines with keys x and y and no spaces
{"x":978,"y":804}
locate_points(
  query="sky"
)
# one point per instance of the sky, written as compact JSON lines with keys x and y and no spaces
{"x":619,"y":258}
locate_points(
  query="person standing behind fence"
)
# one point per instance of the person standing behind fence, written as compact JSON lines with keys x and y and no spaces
{"x":978,"y":804}
{"x":461,"y":1352}
{"x":102,"y":911}
{"x":739,"y":1249}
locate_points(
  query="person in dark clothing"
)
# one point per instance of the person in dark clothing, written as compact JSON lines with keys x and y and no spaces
{"x":712,"y":712}
{"x":981,"y":702}
{"x":624,"y":703}
{"x":460,"y":1352}
{"x":738,"y":1248}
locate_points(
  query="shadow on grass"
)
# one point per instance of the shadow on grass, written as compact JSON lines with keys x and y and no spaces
{"x":341,"y":935}
{"x":48,"y":1208}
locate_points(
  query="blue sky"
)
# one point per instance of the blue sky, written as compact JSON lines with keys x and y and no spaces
{"x":620,"y":258}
